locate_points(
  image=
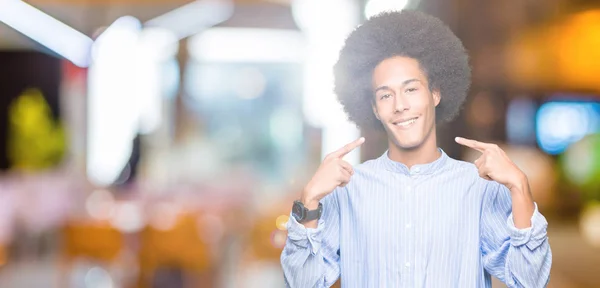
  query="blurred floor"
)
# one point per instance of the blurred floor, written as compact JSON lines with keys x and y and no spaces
{"x":573,"y":259}
{"x":42,"y":273}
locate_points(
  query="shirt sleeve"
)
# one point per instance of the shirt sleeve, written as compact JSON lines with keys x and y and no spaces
{"x":311,"y":257}
{"x":517,"y":257}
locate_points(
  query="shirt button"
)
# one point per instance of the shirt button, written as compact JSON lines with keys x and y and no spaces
{"x":417,"y":170}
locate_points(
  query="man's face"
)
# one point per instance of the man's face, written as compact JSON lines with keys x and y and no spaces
{"x":403,"y":102}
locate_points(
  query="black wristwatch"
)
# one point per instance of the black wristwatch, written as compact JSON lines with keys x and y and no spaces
{"x":302,"y":214}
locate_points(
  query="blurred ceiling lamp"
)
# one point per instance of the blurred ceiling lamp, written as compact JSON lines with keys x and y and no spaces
{"x":124,"y":93}
{"x":247,"y":45}
{"x":125,"y":81}
{"x":49,"y":32}
{"x":113,"y":117}
{"x":194,"y":17}
{"x":561,"y":56}
{"x":538,"y":167}
{"x":374,"y":7}
{"x":326,"y":25}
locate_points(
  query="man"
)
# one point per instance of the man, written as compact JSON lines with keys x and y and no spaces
{"x":413,"y":217}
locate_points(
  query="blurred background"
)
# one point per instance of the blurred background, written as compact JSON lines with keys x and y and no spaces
{"x":161,"y":143}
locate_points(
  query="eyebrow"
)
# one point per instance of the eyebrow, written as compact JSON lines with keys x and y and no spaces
{"x":404,"y":83}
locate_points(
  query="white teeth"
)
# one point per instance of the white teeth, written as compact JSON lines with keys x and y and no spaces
{"x":407,"y":122}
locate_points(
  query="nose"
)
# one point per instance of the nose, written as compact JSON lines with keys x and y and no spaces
{"x":401,"y":103}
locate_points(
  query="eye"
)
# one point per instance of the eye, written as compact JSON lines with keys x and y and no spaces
{"x":385,"y":96}
{"x":411,"y":90}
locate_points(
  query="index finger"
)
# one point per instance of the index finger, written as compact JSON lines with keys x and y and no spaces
{"x":479,"y":146}
{"x":347,"y":148}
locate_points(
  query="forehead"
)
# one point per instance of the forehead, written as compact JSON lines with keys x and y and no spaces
{"x":393,"y":71}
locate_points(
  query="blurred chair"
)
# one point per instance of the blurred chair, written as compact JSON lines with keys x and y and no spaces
{"x":267,"y":241}
{"x":178,"y":249}
{"x":96,"y":241}
{"x":3,"y":255}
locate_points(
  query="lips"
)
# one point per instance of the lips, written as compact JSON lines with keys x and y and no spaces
{"x":405,"y":123}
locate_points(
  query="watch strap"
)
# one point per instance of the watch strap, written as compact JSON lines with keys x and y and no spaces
{"x":313,"y":214}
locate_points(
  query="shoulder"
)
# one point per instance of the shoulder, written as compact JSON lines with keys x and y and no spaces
{"x":467,"y":171}
{"x":461,"y":166}
{"x":371,"y":170}
{"x":366,"y":175}
{"x":368,"y":166}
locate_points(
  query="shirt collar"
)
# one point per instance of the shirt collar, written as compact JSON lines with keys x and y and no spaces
{"x":427,"y":168}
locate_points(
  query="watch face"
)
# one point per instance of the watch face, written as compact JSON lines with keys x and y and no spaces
{"x":298,"y":211}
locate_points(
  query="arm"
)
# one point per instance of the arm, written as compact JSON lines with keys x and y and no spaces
{"x":310,"y":257}
{"x":519,"y":255}
{"x":514,"y":244}
{"x":311,"y":254}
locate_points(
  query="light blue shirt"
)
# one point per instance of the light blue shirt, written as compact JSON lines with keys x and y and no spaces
{"x":433,"y":225}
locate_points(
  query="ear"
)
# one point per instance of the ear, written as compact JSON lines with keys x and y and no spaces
{"x":436,"y":97}
{"x":375,"y":110}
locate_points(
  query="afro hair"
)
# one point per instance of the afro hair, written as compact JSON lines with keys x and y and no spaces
{"x":407,"y":33}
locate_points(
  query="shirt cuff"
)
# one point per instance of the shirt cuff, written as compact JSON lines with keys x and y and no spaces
{"x":305,"y":237}
{"x":533,"y":236}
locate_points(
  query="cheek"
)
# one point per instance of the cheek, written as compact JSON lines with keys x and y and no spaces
{"x":424,"y":103}
{"x":419,"y":104}
{"x":384,"y":109}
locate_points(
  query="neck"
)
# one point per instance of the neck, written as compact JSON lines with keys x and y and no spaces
{"x":427,"y":152}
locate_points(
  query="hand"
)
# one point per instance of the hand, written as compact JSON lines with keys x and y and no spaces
{"x":494,"y":164}
{"x":333,"y":172}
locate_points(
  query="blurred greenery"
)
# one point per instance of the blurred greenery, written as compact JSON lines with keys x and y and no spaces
{"x":36,"y":140}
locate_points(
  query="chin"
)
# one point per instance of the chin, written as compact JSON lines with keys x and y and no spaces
{"x":408,"y":145}
{"x":405,"y":143}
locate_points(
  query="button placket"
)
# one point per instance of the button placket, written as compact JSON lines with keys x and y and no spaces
{"x":408,"y":255}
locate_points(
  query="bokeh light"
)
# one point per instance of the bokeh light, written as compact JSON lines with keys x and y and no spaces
{"x":281,"y":222}
{"x":100,"y":204}
{"x":581,"y":165}
{"x":278,"y":239}
{"x":374,"y":7}
{"x":164,"y":216}
{"x":559,"y":124}
{"x":98,"y":277}
{"x":590,"y":224}
{"x":128,"y":217}
{"x":520,"y":121}
{"x":251,"y":83}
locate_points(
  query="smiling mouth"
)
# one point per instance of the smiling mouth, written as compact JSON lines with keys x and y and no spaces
{"x":406,"y":123}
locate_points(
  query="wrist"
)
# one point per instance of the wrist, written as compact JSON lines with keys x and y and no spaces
{"x":520,"y":193}
{"x":310,"y":203}
{"x":520,"y":185}
{"x":307,"y":198}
